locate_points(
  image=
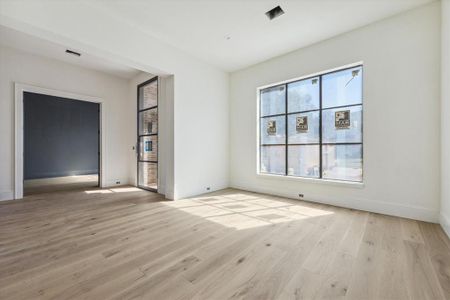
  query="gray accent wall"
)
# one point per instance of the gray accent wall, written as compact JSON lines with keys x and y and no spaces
{"x":61,"y":136}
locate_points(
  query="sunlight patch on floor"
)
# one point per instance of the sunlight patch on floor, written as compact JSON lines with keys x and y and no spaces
{"x":243,"y":211}
{"x":114,"y":190}
{"x":98,"y":192}
{"x":126,"y":190}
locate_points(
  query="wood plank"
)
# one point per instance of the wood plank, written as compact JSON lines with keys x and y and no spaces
{"x":227,"y":244}
{"x":366,"y":273}
{"x":411,"y":231}
{"x":421,"y":280}
{"x":438,"y":249}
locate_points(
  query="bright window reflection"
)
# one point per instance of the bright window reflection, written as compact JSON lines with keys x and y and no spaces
{"x":352,"y":134}
{"x":304,"y":95}
{"x":342,"y":162}
{"x":304,"y":161}
{"x":270,"y":137}
{"x":273,"y":159}
{"x":342,"y":88}
{"x":312,"y":135}
{"x":273,"y":101}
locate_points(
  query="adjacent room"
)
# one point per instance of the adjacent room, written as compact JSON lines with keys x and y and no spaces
{"x":219,"y":149}
{"x":60,"y":143}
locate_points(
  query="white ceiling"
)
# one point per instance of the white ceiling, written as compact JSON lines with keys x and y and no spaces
{"x":200,"y":27}
{"x":37,"y":46}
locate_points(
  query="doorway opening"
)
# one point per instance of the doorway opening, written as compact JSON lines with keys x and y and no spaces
{"x":147,"y":135}
{"x":58,"y":141}
{"x":61,"y":143}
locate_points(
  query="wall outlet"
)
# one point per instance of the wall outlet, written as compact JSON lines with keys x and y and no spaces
{"x":117,"y":182}
{"x":208,"y":188}
{"x":300,"y":195}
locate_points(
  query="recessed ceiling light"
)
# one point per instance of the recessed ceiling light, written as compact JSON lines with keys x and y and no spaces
{"x":73,"y":52}
{"x":274,"y":12}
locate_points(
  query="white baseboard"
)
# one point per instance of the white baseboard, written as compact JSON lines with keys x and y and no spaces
{"x":113,"y":183}
{"x":381,"y":207}
{"x":201,"y":192}
{"x":445,"y":223}
{"x":6,"y":195}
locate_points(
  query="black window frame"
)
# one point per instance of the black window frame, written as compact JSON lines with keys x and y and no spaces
{"x":139,"y":135}
{"x":286,"y":113}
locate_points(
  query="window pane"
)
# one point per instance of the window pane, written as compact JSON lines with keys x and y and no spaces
{"x":148,"y":175}
{"x":273,"y":159}
{"x":304,"y":161}
{"x":148,"y":121}
{"x":304,"y":95}
{"x":303,"y":128}
{"x":335,"y":132}
{"x":342,"y":88}
{"x":148,"y":148}
{"x":342,"y":162}
{"x":273,"y":101}
{"x":148,"y":95}
{"x":273,"y":130}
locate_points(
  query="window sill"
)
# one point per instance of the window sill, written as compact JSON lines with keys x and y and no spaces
{"x":313,"y":180}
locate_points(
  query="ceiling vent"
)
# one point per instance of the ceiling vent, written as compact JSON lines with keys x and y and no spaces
{"x":274,"y":12}
{"x":73,"y":52}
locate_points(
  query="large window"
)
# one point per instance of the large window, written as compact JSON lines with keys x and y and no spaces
{"x":313,"y":127}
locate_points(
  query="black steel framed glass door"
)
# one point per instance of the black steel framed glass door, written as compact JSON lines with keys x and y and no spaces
{"x":147,"y":135}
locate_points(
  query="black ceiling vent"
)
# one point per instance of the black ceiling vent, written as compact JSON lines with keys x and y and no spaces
{"x":73,"y":52}
{"x":274,"y":12}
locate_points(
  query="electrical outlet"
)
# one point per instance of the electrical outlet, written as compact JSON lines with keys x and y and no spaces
{"x":208,"y":188}
{"x":300,"y":195}
{"x":117,"y":182}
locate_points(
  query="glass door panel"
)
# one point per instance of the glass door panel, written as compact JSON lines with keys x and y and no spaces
{"x":147,"y":134}
{"x":148,"y":175}
{"x":148,"y":121}
{"x":148,"y":94}
{"x":148,"y":148}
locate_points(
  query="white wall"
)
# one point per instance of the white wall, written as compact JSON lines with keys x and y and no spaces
{"x":201,"y":133}
{"x":445,"y":117}
{"x":25,"y":68}
{"x":167,"y":136}
{"x":201,"y":103}
{"x":401,"y":58}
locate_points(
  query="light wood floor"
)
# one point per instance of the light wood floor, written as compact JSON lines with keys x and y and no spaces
{"x":125,"y":243}
{"x":56,"y":184}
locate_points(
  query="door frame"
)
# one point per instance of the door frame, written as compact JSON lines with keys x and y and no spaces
{"x":19,"y":89}
{"x":156,"y":78}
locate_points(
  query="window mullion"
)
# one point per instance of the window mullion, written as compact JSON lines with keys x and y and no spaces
{"x":286,"y":129}
{"x":320,"y":126}
{"x":260,"y":130}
